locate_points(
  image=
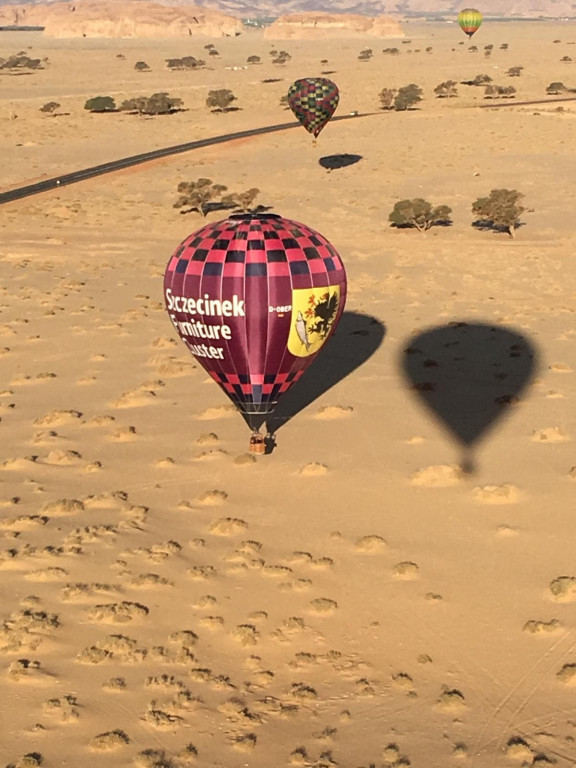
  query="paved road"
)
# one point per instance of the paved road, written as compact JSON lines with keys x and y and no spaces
{"x":128,"y":162}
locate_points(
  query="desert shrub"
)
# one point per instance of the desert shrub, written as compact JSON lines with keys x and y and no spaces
{"x":565,"y":58}
{"x":141,"y":66}
{"x":408,"y":96}
{"x":473,"y":49}
{"x":488,"y":47}
{"x":157,"y":104}
{"x":554,"y":89}
{"x":493,"y":91}
{"x":50,"y":107}
{"x":220,"y":100}
{"x":514,"y":71}
{"x":501,"y":210}
{"x":391,"y":51}
{"x":419,"y":214}
{"x":101,"y":104}
{"x":429,"y":49}
{"x":120,"y":56}
{"x":365,"y":55}
{"x":253,"y":60}
{"x":386,"y":96}
{"x":504,"y":47}
{"x":284,"y":101}
{"x":213,"y":52}
{"x":446,"y":90}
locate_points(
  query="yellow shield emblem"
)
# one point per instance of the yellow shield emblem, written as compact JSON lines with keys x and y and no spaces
{"x":313,"y":313}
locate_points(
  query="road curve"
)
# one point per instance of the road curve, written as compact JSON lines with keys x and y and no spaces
{"x":128,"y":162}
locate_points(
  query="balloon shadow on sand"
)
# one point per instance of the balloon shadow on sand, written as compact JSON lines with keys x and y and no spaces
{"x":355,"y":340}
{"x":333,"y":162}
{"x":470,"y":376}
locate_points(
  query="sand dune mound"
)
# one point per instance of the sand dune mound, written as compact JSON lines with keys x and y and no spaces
{"x":311,"y":26}
{"x":124,"y":18}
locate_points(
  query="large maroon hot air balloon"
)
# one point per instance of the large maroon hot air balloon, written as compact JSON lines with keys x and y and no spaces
{"x":254,"y":298}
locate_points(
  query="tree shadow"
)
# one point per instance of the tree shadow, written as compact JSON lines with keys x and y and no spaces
{"x":223,"y":110}
{"x":487,"y":225}
{"x":470,"y":375}
{"x":354,"y":341}
{"x":332,"y":162}
{"x":411,"y":225}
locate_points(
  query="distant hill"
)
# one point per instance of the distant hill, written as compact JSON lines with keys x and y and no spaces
{"x":531,"y":9}
{"x":499,"y":8}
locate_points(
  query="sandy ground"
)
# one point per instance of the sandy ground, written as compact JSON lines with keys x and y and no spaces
{"x":352,"y":599}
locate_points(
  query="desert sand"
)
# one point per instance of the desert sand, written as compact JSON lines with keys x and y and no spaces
{"x":353,"y":599}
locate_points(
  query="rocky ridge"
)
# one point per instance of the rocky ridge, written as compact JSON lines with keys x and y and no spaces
{"x":311,"y":26}
{"x":122,"y":19}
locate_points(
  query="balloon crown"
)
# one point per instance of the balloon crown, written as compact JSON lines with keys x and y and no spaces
{"x":250,"y":216}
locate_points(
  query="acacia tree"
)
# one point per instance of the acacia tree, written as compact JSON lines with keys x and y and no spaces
{"x":200,"y":195}
{"x":21,"y":60}
{"x":220,"y":100}
{"x":50,"y":107}
{"x":501,"y":210}
{"x":408,"y":96}
{"x":493,"y":91}
{"x":282,"y":58}
{"x":245,"y":200}
{"x":186,"y":62}
{"x":420,"y":214}
{"x":446,"y":90}
{"x":554,"y":89}
{"x":157,"y":104}
{"x":100,"y":104}
{"x":204,"y":196}
{"x":386,"y":96}
{"x":478,"y":80}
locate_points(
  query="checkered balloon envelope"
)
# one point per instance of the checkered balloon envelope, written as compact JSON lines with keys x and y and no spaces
{"x":313,"y":101}
{"x":255,"y":298}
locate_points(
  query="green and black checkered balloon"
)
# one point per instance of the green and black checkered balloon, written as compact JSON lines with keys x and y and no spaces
{"x":313,"y":100}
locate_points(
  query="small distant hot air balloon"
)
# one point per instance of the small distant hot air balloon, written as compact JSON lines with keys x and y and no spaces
{"x":470,"y":20}
{"x":313,"y":100}
{"x":255,"y":298}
